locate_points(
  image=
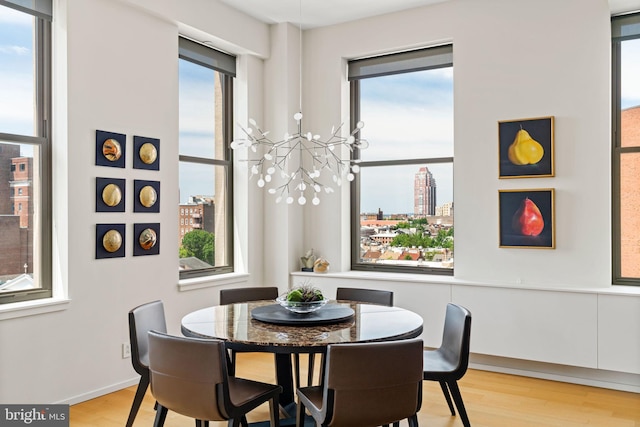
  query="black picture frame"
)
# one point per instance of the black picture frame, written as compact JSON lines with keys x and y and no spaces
{"x":510,"y":228}
{"x":113,"y":159}
{"x":101,"y":231}
{"x":138,"y":246}
{"x":101,"y":195}
{"x":511,"y":165}
{"x":139,"y":189}
{"x":140,"y":159}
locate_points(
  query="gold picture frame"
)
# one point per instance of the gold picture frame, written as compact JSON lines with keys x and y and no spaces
{"x":527,"y":218}
{"x":526,"y":148}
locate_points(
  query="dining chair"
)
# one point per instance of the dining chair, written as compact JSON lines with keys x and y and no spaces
{"x":366,"y":385}
{"x":449,"y":362}
{"x":142,"y":319}
{"x":246,"y":294}
{"x":189,"y":376}
{"x":372,"y":296}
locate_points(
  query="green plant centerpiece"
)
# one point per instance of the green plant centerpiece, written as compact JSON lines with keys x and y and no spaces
{"x":303,"y":299}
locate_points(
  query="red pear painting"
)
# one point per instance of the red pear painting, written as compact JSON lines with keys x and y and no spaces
{"x":528,"y":220}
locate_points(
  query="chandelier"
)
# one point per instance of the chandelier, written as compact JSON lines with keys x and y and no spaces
{"x":292,"y":166}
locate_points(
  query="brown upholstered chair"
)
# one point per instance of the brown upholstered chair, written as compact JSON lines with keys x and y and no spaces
{"x":449,"y":363}
{"x":142,"y":319}
{"x":189,"y":376}
{"x":231,"y":296}
{"x":372,"y":296}
{"x":366,"y":385}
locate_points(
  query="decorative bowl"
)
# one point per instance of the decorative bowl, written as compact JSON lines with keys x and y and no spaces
{"x":300,"y":307}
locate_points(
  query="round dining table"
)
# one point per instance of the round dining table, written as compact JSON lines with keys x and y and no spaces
{"x":284,"y":333}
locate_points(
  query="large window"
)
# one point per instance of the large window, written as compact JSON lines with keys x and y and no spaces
{"x":25,"y":150}
{"x":402,"y":199}
{"x":626,"y":149}
{"x":205,"y":229}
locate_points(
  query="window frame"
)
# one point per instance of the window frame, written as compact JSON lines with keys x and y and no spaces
{"x":619,"y":35}
{"x":395,"y":63}
{"x":42,"y":139}
{"x":223,"y":63}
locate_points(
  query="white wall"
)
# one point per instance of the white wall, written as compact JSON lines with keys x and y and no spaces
{"x":511,"y":60}
{"x":123,"y":78}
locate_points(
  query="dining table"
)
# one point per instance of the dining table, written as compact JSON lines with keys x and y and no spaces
{"x":266,"y":326}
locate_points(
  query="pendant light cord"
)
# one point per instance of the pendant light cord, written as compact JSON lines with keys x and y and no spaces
{"x":300,"y":53}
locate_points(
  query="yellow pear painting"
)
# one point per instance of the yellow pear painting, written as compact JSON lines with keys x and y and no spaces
{"x":525,"y":150}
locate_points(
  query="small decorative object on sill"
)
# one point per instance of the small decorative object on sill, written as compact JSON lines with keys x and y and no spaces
{"x":321,"y":265}
{"x":307,"y":261}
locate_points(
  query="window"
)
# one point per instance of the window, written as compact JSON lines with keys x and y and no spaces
{"x":205,"y":170}
{"x":25,"y":150}
{"x":402,"y":199}
{"x":626,"y":149}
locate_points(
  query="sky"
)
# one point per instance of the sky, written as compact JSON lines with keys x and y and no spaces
{"x":406,"y":116}
{"x":16,"y":73}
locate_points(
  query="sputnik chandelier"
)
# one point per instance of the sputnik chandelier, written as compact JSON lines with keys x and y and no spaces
{"x":301,"y":158}
{"x":300,"y":174}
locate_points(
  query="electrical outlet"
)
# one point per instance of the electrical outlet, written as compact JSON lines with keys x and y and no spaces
{"x":126,"y":350}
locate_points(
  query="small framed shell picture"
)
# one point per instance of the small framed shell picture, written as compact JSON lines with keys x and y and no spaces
{"x":110,"y":195}
{"x":146,"y":153}
{"x":146,"y":239}
{"x":110,"y":149}
{"x":146,"y":196}
{"x":110,"y":240}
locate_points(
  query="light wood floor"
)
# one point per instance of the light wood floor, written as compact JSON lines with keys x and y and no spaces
{"x":491,"y":399}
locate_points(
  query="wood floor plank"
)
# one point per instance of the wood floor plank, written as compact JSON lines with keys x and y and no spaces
{"x":491,"y":399}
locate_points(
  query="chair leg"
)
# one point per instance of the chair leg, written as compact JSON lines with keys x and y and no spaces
{"x":274,"y":411}
{"x":445,"y":391}
{"x":161,"y":415}
{"x":413,"y":420}
{"x":137,"y":400}
{"x":457,"y":397}
{"x":300,"y":414}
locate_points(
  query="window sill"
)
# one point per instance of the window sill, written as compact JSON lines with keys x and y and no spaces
{"x":606,"y":289}
{"x":33,"y":308}
{"x":211,"y":281}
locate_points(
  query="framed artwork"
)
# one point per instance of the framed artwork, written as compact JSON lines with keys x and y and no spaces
{"x":146,"y":239}
{"x":526,"y":148}
{"x":110,"y":240}
{"x":110,"y":195}
{"x":110,"y":149}
{"x":147,"y":196}
{"x":527,"y":218}
{"x":146,"y":153}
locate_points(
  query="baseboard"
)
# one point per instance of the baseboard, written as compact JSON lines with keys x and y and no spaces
{"x":570,"y":374}
{"x":99,"y":392}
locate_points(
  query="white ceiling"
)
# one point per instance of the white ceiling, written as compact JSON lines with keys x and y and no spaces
{"x":318,"y":13}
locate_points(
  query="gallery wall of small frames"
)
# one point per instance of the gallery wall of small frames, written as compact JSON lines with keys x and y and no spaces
{"x":111,"y":195}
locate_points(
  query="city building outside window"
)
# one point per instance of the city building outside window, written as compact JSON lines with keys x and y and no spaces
{"x":402,"y":199}
{"x":25,"y":150}
{"x":626,"y":149}
{"x":205,"y":167}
